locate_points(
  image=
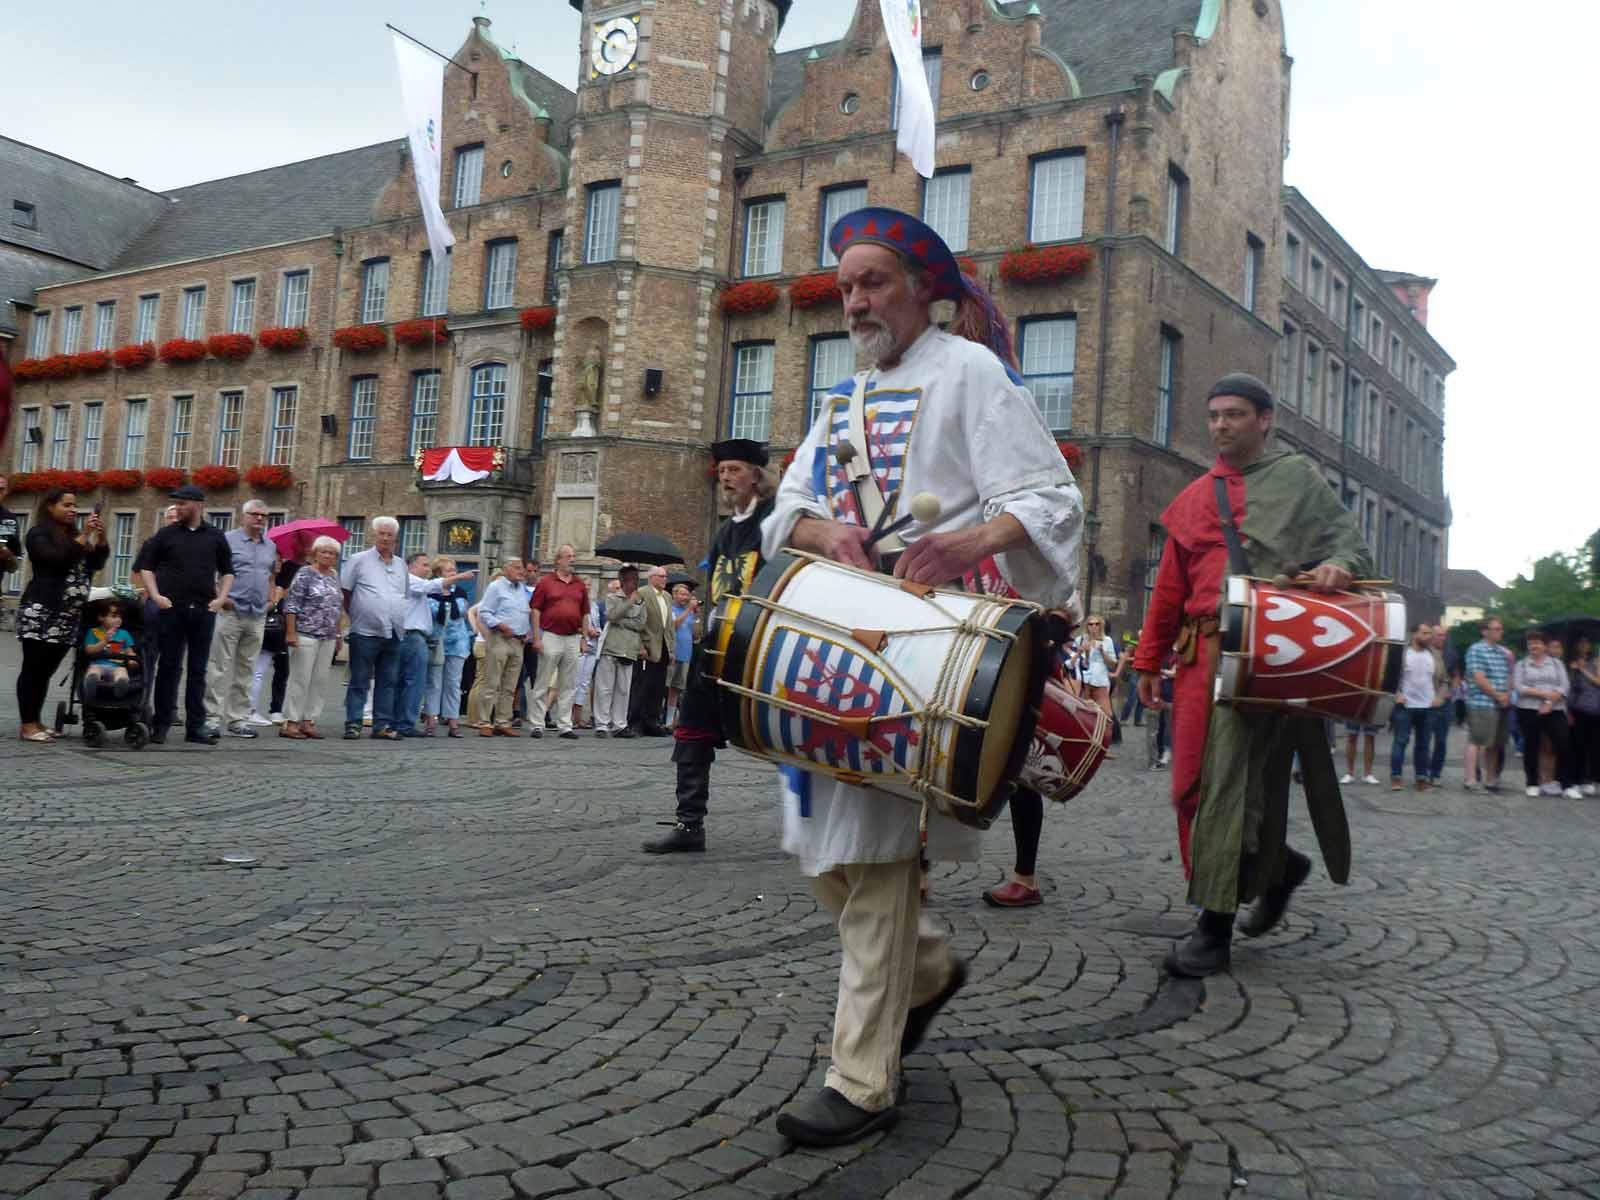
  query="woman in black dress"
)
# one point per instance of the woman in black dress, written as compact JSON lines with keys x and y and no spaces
{"x":63,"y":561}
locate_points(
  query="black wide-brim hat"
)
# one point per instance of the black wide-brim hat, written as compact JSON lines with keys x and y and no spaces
{"x":908,"y":237}
{"x":739,"y":450}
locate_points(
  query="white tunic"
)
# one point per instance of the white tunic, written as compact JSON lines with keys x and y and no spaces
{"x":952,"y":420}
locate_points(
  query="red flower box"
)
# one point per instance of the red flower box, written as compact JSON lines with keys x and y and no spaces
{"x":80,"y":481}
{"x":541,"y":317}
{"x":181,"y":350}
{"x":57,"y":366}
{"x":135,"y":356}
{"x":813,"y":291}
{"x":164,"y":478}
{"x":361,"y":339}
{"x":1073,"y":453}
{"x":743,"y":299}
{"x":270,"y":476}
{"x":232,"y":346}
{"x":425,"y":331}
{"x":283,"y":338}
{"x":121,"y":481}
{"x":1036,"y":264}
{"x":91,"y":362}
{"x":30,"y":481}
{"x":214,"y":478}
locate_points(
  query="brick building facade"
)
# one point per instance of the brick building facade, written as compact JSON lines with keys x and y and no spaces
{"x":691,"y":156}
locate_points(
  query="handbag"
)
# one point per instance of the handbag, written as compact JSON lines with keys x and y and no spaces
{"x":273,"y":631}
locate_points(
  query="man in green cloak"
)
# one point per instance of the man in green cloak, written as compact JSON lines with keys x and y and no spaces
{"x":1231,"y":768}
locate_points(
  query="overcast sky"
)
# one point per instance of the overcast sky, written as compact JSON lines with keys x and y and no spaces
{"x":1437,"y":135}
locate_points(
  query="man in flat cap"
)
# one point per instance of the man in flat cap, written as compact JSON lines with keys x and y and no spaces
{"x":1230,"y":769}
{"x":734,"y":559}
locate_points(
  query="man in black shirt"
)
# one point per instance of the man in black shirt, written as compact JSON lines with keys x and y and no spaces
{"x":10,"y":534}
{"x":187,"y":570}
{"x":735,"y":558}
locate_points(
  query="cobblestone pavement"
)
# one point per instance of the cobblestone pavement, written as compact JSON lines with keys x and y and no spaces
{"x":452,"y":973}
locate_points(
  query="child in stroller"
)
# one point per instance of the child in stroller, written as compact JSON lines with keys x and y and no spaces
{"x":109,"y":674}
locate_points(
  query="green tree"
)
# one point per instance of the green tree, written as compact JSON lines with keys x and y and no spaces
{"x":1561,"y":585}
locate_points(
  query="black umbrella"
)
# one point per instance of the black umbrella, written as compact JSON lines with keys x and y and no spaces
{"x":1570,"y":629}
{"x":674,"y":578}
{"x":640,"y":547}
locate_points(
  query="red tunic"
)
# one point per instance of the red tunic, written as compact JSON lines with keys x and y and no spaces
{"x":1189,"y":585}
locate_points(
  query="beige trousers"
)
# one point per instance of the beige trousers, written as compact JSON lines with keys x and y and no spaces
{"x":309,"y":662}
{"x":558,"y":668}
{"x":499,"y":670}
{"x":235,"y":642}
{"x":613,"y":684}
{"x":894,"y":958}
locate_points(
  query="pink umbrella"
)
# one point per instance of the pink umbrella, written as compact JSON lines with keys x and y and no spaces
{"x":293,"y":538}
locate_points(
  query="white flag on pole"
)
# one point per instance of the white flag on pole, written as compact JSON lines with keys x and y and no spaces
{"x":902,"y":21}
{"x":422,"y":86}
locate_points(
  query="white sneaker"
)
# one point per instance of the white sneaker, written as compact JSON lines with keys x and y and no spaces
{"x":1550,"y":789}
{"x":1573,"y":793}
{"x":1347,"y":779}
{"x":1589,"y":789}
{"x":276,"y":718}
{"x":1372,"y":779}
{"x":1532,"y":793}
{"x":1166,"y":761}
{"x":257,"y":719}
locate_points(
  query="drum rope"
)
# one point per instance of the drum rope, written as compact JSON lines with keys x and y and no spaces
{"x":957,"y":625}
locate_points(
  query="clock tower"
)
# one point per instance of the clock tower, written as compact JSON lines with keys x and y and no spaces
{"x":670,"y":94}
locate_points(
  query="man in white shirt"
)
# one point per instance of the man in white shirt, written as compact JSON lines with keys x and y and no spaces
{"x":503,"y":615}
{"x":941,"y":415}
{"x":1421,"y":677}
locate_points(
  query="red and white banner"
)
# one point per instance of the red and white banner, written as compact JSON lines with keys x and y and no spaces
{"x":459,"y":464}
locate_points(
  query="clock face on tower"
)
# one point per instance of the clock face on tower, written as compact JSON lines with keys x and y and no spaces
{"x":615,"y":43}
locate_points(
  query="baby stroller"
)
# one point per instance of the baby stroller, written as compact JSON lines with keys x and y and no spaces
{"x":109,"y":706}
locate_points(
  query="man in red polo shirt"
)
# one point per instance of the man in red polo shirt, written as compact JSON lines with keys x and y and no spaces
{"x":560,"y":607}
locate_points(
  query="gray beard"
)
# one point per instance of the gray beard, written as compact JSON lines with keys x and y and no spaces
{"x":872,"y":344}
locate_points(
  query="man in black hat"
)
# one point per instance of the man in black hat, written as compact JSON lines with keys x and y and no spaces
{"x":187,"y":568}
{"x":735,"y":558}
{"x":1230,"y":769}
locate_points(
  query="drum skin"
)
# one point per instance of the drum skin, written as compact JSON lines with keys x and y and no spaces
{"x":980,"y":772}
{"x":1068,"y":745}
{"x":1325,"y":654}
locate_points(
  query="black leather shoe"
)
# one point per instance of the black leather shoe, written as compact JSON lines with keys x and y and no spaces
{"x":656,"y":731}
{"x":624,"y":733}
{"x":1268,"y":910}
{"x":158,"y":736}
{"x":570,"y":735}
{"x":921,"y":1015}
{"x":205,"y":737}
{"x":1209,"y":948}
{"x":828,"y":1119}
{"x":682,"y":838}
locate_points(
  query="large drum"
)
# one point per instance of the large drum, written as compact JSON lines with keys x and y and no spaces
{"x":1069,"y":743}
{"x":927,"y":693}
{"x":1335,"y":654}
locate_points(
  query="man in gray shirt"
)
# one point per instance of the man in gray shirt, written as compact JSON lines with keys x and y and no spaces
{"x":377,"y":592}
{"x":237,"y":638}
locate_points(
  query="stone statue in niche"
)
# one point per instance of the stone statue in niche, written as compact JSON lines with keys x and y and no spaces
{"x":593,"y":373}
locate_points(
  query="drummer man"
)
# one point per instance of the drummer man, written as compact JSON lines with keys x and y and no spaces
{"x":940,"y":414}
{"x":1230,"y":769}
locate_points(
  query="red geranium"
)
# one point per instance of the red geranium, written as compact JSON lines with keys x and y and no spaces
{"x":1035,"y":264}
{"x":79,"y":481}
{"x":422,"y":332}
{"x":968,"y":266}
{"x":181,"y":350}
{"x":283,"y":337}
{"x":57,"y":366}
{"x":215,"y":478}
{"x":813,"y":291}
{"x":271,"y":476}
{"x":164,"y":478}
{"x":541,"y":317}
{"x":361,"y":339}
{"x":1073,"y":453}
{"x":92,"y":361}
{"x":30,"y":481}
{"x":121,"y":481}
{"x":232,"y":346}
{"x":132,"y":357}
{"x":753,"y":297}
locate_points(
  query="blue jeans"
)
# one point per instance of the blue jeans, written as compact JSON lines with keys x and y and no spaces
{"x":1407,"y":721}
{"x":372,"y":659}
{"x":1441,"y":735}
{"x":444,"y":688}
{"x":413,"y":680}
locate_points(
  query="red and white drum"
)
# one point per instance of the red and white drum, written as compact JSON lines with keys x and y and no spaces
{"x":1069,"y":743}
{"x":1327,"y":654}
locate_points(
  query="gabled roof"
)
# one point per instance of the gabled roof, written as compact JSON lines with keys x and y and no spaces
{"x":1469,"y":588}
{"x":278,"y":204}
{"x":1106,"y":43}
{"x":559,"y":103}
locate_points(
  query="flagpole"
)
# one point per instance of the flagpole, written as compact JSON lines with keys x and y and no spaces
{"x":429,"y":49}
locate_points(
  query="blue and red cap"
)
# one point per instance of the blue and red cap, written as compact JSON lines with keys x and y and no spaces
{"x":908,"y":237}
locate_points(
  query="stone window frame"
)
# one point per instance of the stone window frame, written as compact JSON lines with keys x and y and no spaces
{"x":39,"y":334}
{"x":415,"y":443}
{"x":825,"y":197}
{"x":544,"y":391}
{"x":474,"y":395}
{"x":363,"y":418}
{"x":29,"y":418}
{"x":957,"y":244}
{"x":1313,"y":364}
{"x":60,"y":437}
{"x":1167,"y":369}
{"x":555,"y":244}
{"x":467,"y":189}
{"x":1177,"y":210}
{"x":743,"y":399}
{"x":1024,"y":325}
{"x":105,"y":324}
{"x":817,"y":391}
{"x":374,"y":290}
{"x":71,"y":328}
{"x":242,"y":293}
{"x":230,"y":450}
{"x":931,"y":56}
{"x":124,"y":527}
{"x":1255,"y":252}
{"x":499,"y":280}
{"x":281,"y":432}
{"x":91,"y":433}
{"x":592,"y":249}
{"x":1078,"y":186}
{"x":133,"y":443}
{"x":775,"y":210}
{"x":433,"y":294}
{"x":182,"y":428}
{"x":192,"y":316}
{"x":291,"y":319}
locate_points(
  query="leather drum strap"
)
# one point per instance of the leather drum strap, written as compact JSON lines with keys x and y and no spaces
{"x":859,"y":469}
{"x":1238,"y":561}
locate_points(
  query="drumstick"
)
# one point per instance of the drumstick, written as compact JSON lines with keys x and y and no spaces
{"x":925,"y":508}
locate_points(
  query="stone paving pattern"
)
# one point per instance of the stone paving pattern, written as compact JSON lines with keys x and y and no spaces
{"x":452,"y":974}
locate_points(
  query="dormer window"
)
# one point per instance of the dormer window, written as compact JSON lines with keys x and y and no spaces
{"x":24,"y":215}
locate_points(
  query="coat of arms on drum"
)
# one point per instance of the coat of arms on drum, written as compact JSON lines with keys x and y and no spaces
{"x":853,"y":719}
{"x":1300,"y":633}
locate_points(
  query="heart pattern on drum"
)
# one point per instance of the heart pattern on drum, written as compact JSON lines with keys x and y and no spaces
{"x":1304,"y":633}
